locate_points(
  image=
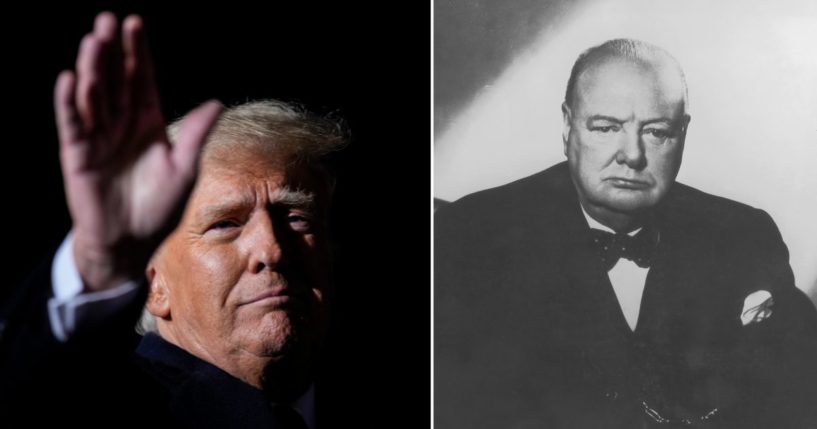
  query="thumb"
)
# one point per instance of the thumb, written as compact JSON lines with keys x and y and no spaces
{"x":195,"y":128}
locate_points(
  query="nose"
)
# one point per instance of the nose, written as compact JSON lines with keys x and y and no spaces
{"x":264,"y":245}
{"x":631,"y":151}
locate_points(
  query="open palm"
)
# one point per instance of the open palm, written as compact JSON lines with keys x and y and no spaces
{"x":124,"y":181}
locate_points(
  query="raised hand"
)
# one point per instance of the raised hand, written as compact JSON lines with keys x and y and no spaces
{"x":125,"y":183}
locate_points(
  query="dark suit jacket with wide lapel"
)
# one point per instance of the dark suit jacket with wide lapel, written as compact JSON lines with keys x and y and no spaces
{"x":201,"y":395}
{"x":529,"y":333}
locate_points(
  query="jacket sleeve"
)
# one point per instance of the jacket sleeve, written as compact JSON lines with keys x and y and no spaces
{"x":37,"y":368}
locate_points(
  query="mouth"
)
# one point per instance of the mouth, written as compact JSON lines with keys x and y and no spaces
{"x":622,"y":183}
{"x":275,"y":297}
{"x":272,"y":301}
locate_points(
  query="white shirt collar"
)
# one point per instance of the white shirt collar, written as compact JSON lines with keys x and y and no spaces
{"x":598,"y":225}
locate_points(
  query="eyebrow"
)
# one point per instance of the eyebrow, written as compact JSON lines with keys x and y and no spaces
{"x":666,"y":121}
{"x":621,"y":121}
{"x":280,"y":197}
{"x":293,"y":197}
{"x":604,"y":118}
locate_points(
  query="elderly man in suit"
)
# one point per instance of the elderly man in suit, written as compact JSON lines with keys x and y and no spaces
{"x":601,"y":293}
{"x":237,"y":276}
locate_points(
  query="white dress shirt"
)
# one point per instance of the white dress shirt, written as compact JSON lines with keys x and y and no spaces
{"x":627,"y":278}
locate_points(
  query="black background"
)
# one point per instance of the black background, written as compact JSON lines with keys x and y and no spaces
{"x":369,"y":64}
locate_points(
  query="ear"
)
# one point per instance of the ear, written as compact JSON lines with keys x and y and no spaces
{"x":158,"y":302}
{"x":687,"y":119}
{"x":566,"y":116}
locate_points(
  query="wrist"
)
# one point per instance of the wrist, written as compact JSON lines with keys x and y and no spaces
{"x":103,"y":267}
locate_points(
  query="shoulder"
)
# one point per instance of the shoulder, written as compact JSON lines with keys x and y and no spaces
{"x":691,"y":207}
{"x":523,"y":197}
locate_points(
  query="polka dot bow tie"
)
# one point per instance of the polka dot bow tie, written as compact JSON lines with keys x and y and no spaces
{"x":638,"y":248}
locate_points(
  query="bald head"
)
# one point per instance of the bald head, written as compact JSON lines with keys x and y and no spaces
{"x":640,"y":57}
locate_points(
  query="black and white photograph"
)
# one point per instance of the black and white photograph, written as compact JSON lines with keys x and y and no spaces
{"x":624,"y":198}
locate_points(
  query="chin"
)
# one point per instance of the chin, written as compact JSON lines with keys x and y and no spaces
{"x":276,"y":346}
{"x":629,"y":203}
{"x":274,"y":335}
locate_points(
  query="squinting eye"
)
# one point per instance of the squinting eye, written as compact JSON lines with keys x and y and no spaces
{"x":604,"y":129}
{"x":661,"y":134}
{"x":299,"y":222}
{"x":224,"y":224}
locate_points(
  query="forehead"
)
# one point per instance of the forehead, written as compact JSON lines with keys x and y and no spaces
{"x":244,"y":172}
{"x":622,"y":88}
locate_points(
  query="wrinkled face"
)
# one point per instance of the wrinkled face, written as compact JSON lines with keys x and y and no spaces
{"x":624,"y":135}
{"x":247,"y":269}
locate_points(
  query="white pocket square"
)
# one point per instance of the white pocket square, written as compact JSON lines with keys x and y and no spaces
{"x":757,"y":307}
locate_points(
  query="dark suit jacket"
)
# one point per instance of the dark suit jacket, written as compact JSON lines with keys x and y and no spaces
{"x":529,"y":333}
{"x":97,"y":380}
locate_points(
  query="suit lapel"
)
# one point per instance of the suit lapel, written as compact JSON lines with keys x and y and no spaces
{"x":201,"y":394}
{"x":585,"y":271}
{"x":682,"y":317}
{"x":589,"y":279}
{"x":677,"y":283}
{"x":600,"y":330}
